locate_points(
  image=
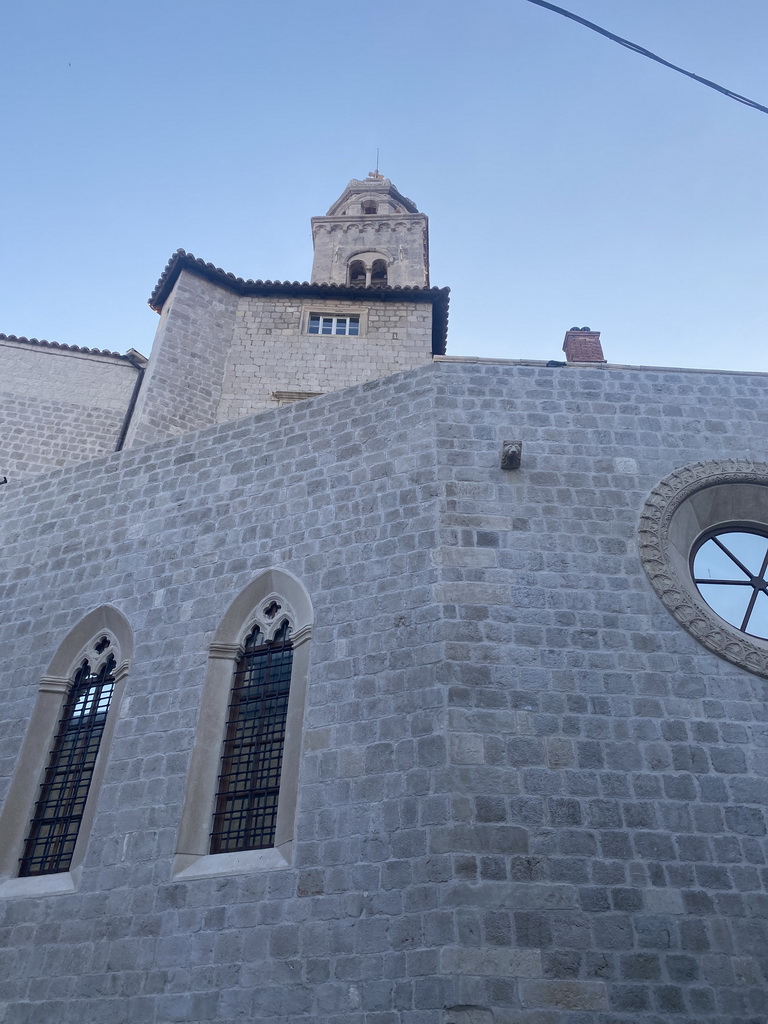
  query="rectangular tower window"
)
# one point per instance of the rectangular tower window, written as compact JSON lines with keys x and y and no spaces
{"x":319,"y":324}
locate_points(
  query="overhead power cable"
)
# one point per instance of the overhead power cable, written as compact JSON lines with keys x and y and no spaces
{"x":648,"y":53}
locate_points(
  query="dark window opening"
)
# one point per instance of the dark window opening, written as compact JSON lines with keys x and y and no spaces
{"x":64,"y":789}
{"x":357,"y":272}
{"x":249,"y":784}
{"x":379,"y":273}
{"x":369,"y":207}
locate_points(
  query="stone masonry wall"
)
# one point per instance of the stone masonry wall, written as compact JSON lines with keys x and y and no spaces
{"x":402,"y":240}
{"x":271,"y":350}
{"x":58,"y":407}
{"x":338,"y":491}
{"x":183,"y":382}
{"x":220,"y":357}
{"x":609,"y":838}
{"x":527,"y":796}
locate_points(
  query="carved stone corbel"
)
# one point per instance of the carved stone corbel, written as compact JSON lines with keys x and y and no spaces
{"x":511,"y":454}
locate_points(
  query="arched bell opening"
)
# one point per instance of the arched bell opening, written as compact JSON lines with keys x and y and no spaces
{"x":379,"y":273}
{"x":357,"y":273}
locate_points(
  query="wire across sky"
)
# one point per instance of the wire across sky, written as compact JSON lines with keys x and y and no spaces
{"x":648,"y":53}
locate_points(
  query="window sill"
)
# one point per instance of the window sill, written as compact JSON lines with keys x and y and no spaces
{"x":188,"y":866}
{"x":60,"y":884}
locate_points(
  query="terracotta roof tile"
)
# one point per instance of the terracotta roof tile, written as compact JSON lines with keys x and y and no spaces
{"x":41,"y":343}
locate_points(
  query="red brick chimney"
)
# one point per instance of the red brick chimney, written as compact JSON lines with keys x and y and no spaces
{"x":583,"y":346}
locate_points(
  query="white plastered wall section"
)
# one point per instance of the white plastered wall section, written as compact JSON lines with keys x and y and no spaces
{"x":272,"y":350}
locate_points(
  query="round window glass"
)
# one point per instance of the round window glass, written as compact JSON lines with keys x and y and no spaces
{"x":729,"y":567}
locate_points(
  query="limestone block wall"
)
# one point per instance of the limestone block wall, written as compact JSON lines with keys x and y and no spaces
{"x":58,"y":406}
{"x":272,"y":351}
{"x":402,"y":240}
{"x":183,"y":382}
{"x":339,"y":492}
{"x":218,"y":356}
{"x":526,"y":794}
{"x":610,"y":838}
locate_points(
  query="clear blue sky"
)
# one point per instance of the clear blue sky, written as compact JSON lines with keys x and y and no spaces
{"x":568,"y":181}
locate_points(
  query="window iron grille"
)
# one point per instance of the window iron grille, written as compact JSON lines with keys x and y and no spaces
{"x":63,"y":792}
{"x":249,"y":783}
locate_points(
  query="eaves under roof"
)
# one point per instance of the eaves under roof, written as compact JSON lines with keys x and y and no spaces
{"x":181,"y":260}
{"x":135,"y":359}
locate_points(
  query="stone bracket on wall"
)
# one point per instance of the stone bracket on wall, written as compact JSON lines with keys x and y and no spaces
{"x":511,"y":454}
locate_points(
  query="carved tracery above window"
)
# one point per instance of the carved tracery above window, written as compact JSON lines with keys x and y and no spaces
{"x":686,"y":509}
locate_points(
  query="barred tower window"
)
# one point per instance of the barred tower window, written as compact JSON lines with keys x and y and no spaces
{"x":58,"y":811}
{"x":249,"y":781}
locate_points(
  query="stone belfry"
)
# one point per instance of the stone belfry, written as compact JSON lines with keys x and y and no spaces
{"x":372,"y":236}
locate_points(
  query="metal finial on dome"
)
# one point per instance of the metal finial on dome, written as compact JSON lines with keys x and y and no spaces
{"x":376,"y":174}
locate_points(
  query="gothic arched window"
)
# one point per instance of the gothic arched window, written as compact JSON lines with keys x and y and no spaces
{"x":58,"y":812}
{"x":249,"y":782}
{"x":239,"y":811}
{"x":45,"y":825}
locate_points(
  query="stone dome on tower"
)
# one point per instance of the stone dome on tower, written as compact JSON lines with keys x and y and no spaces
{"x":372,"y":236}
{"x":375,"y":195}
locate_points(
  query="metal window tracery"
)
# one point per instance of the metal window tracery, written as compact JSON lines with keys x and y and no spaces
{"x":729,"y":565}
{"x":249,"y":782}
{"x":58,"y":811}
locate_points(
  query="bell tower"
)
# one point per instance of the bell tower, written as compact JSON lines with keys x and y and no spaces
{"x":371,"y":237}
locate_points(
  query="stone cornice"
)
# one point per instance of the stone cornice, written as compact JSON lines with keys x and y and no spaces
{"x":134,"y":358}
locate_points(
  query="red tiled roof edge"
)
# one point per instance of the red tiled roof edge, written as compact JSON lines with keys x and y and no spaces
{"x":181,"y":260}
{"x":70,"y":348}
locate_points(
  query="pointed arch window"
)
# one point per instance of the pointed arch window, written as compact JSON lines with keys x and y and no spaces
{"x":50,"y":808}
{"x":251,"y":762}
{"x":60,"y":805}
{"x":239,"y":811}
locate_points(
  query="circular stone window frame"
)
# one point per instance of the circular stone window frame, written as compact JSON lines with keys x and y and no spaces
{"x":683,"y":507}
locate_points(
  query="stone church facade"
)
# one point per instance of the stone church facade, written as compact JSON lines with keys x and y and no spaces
{"x":522,"y":761}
